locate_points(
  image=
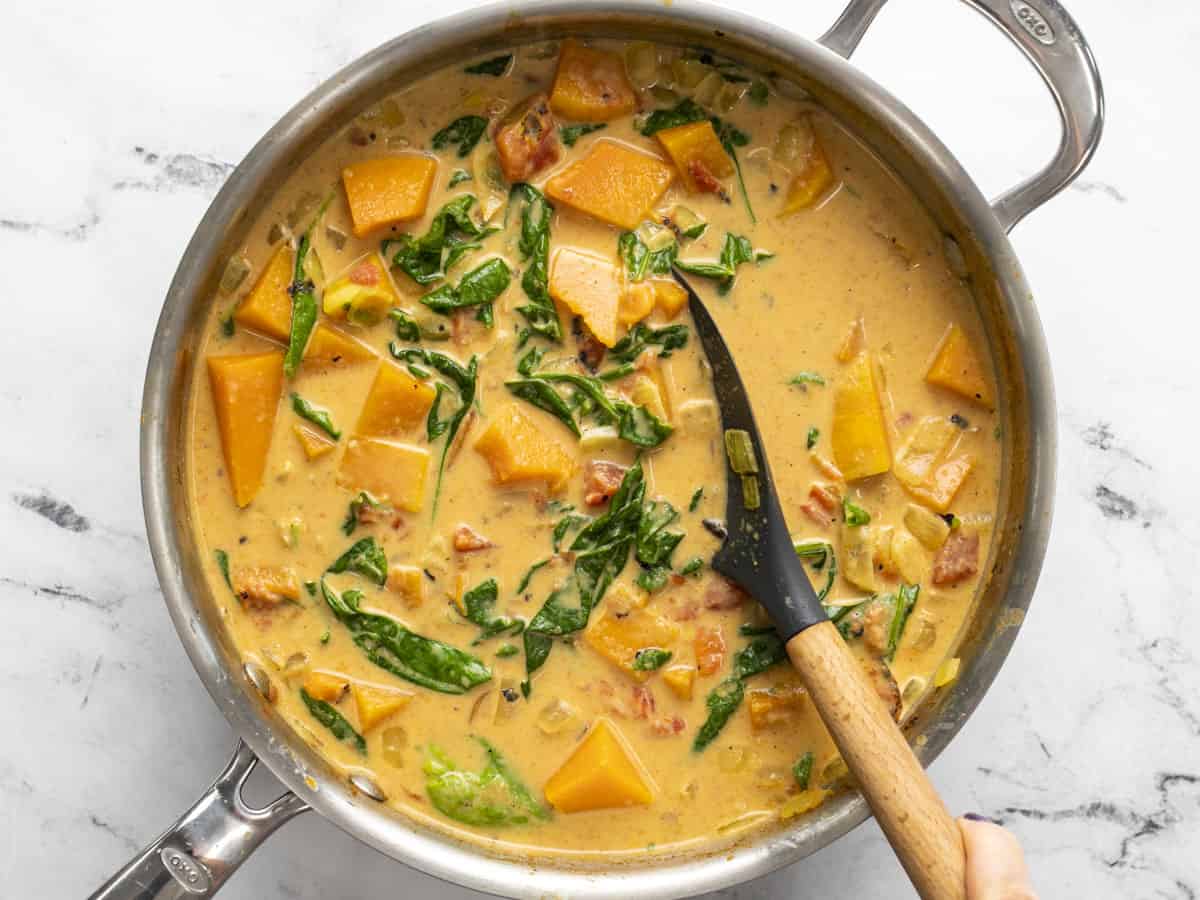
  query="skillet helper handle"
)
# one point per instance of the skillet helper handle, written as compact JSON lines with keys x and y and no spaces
{"x":194,"y":857}
{"x":1053,"y":43}
{"x":921,"y":831}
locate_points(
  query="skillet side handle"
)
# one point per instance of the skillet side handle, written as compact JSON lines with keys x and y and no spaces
{"x":905,"y":803}
{"x":195,"y":856}
{"x":1050,"y":39}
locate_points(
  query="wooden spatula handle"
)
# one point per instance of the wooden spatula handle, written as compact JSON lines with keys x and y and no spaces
{"x":906,"y":805}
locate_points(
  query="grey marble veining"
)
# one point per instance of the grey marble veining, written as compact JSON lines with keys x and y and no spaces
{"x":121,"y":123}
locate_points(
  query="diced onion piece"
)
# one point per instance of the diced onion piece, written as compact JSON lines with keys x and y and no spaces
{"x":706,"y":91}
{"x":729,"y":96}
{"x":395,"y":739}
{"x":556,"y":716}
{"x":235,"y":273}
{"x":641,"y":63}
{"x":689,"y":73}
{"x":926,"y":526}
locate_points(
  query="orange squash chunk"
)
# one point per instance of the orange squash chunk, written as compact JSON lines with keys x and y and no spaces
{"x":590,"y":287}
{"x":374,"y":704}
{"x":246,"y":392}
{"x":813,"y":175}
{"x":327,"y":686}
{"x":386,"y":470}
{"x":267,"y":309}
{"x":518,"y":450}
{"x":314,"y":444}
{"x":696,"y":150}
{"x":860,"y":443}
{"x":956,"y":367}
{"x":778,"y":705}
{"x":927,"y":465}
{"x":602,"y":773}
{"x":408,"y":583}
{"x":388,"y":190}
{"x":619,"y":638}
{"x":637,"y":302}
{"x":613,"y":183}
{"x":591,"y":85}
{"x":332,"y":347}
{"x":680,"y":679}
{"x":669,"y":296}
{"x":396,"y":403}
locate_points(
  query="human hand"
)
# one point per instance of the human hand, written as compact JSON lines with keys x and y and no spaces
{"x":995,"y":864}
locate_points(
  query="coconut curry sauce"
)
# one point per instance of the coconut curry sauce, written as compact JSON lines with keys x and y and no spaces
{"x":457,"y":467}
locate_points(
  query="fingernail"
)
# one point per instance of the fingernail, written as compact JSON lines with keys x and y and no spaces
{"x":976,"y":817}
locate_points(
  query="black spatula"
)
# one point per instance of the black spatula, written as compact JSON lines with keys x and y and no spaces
{"x":759,"y":556}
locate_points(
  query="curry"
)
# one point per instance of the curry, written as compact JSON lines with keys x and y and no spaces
{"x":457,"y":471}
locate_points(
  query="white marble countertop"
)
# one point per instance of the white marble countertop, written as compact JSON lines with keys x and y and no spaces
{"x":121,"y":122}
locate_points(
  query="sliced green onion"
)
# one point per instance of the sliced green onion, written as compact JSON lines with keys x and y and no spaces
{"x":751,"y":498}
{"x":740,"y":450}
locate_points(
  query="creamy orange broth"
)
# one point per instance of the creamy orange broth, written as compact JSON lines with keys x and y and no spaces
{"x":864,"y":252}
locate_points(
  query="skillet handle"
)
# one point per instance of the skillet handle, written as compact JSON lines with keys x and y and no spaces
{"x":1050,"y":39}
{"x":905,"y":803}
{"x":195,"y":856}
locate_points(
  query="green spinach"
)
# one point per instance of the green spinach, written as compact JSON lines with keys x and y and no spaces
{"x":464,"y":379}
{"x":479,"y":288}
{"x":414,"y":657}
{"x":496,"y":66}
{"x":571,"y":133}
{"x":764,"y":650}
{"x":464,"y":131}
{"x":451,"y":235}
{"x":802,"y":770}
{"x":540,"y":313}
{"x":495,"y":797}
{"x":479,"y":602}
{"x":319,"y":417}
{"x":736,"y":251}
{"x":365,"y":558}
{"x":651,"y":658}
{"x":819,"y":555}
{"x":334,"y":721}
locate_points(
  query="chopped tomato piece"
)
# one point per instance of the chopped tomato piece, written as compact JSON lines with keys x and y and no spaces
{"x":527,"y":141}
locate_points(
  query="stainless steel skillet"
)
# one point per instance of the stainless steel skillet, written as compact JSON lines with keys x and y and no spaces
{"x":199,"y":852}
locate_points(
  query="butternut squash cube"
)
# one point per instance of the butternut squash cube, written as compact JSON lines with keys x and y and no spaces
{"x":374,"y":704}
{"x":956,"y":367}
{"x":680,"y":679}
{"x":618,"y":639}
{"x":670,"y":297}
{"x":396,"y":404}
{"x":386,"y":470}
{"x":408,"y":582}
{"x":327,"y":686}
{"x":637,"y":302}
{"x":859,"y":439}
{"x":613,"y":183}
{"x":602,"y":773}
{"x":332,"y":347}
{"x":313,"y":443}
{"x":591,"y":85}
{"x":778,"y":705}
{"x":590,"y":287}
{"x":388,"y":190}
{"x":518,"y":450}
{"x":813,"y":176}
{"x":927,"y":465}
{"x":267,"y":309}
{"x":363,"y":295}
{"x":245,"y":391}
{"x":696,"y":151}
